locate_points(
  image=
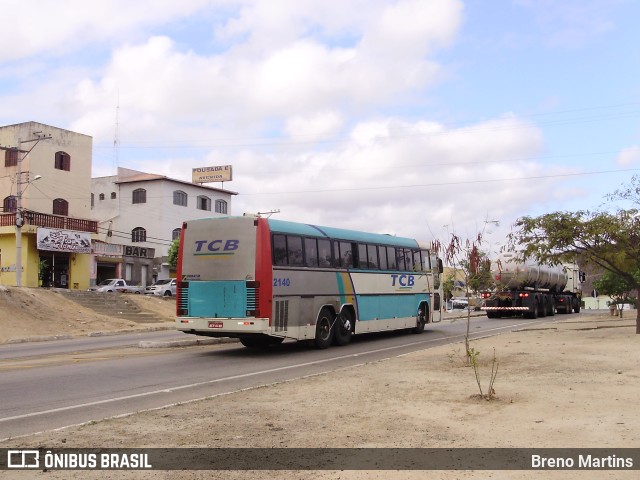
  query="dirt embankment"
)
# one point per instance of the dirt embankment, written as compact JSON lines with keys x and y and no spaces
{"x":32,"y":313}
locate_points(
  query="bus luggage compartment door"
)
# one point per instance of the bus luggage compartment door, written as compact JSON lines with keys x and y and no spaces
{"x":226,"y":299}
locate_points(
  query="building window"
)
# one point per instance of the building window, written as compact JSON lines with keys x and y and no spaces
{"x":175,"y":234}
{"x":93,"y":200}
{"x":139,"y":196}
{"x":10,"y":158}
{"x":204,"y":203}
{"x":101,"y":196}
{"x":113,"y":195}
{"x":10,"y":204}
{"x":221,"y":206}
{"x":180,"y":198}
{"x":138,"y":234}
{"x":60,"y":207}
{"x":63,"y":161}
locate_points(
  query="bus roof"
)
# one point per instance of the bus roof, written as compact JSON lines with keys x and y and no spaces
{"x":308,"y":230}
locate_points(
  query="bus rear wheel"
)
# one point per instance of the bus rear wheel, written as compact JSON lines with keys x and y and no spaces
{"x":324,"y":332}
{"x":342,"y":328}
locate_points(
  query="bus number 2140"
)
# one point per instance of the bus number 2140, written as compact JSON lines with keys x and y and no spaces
{"x":281,"y":282}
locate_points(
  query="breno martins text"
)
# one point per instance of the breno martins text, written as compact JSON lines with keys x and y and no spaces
{"x":581,"y":461}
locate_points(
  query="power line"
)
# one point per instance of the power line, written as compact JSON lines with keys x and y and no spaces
{"x":440,"y":184}
{"x":453,"y":128}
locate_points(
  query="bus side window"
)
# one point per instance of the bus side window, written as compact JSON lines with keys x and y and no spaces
{"x":372,"y":257}
{"x":400,"y":259}
{"x":294,"y":250}
{"x":417,"y":261}
{"x":362,"y":256}
{"x":426,"y":261}
{"x":408,"y":258}
{"x":324,"y":252}
{"x":310,"y":252}
{"x":391,"y":256}
{"x":382,"y":253}
{"x":346,"y":254}
{"x":279,"y":245}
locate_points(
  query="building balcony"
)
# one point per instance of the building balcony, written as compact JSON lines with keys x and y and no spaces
{"x":45,"y":220}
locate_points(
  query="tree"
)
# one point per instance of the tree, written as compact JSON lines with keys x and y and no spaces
{"x":616,"y":287}
{"x":448,"y":286}
{"x":467,"y":255}
{"x":474,"y":263}
{"x":479,"y":269}
{"x":173,"y":253}
{"x":608,"y":240}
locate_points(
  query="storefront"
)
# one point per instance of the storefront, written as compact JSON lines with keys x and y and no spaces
{"x":59,"y":252}
{"x":106,"y":261}
{"x":134,"y":264}
{"x":138,"y":264}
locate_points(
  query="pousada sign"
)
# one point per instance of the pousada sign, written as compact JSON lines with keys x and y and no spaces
{"x":221,"y":173}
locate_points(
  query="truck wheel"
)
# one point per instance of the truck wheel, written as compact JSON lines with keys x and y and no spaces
{"x":542,"y":309}
{"x":532,"y":313}
{"x":324,"y":332}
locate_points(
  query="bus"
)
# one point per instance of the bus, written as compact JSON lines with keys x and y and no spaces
{"x":263,"y":280}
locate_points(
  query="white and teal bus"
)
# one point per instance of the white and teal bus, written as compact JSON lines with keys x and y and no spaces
{"x":263,"y":280}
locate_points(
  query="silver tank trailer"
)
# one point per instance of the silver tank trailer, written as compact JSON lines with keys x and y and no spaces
{"x":516,"y":275}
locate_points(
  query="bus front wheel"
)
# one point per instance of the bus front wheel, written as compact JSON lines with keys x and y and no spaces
{"x":421,"y":319}
{"x":324,"y":332}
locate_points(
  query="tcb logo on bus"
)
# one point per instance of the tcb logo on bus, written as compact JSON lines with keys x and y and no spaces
{"x":217,"y":245}
{"x":402,"y":280}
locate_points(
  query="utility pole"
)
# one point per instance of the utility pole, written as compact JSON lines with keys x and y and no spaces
{"x":19,"y":183}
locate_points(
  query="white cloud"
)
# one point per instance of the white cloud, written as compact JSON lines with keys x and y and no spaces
{"x":306,"y":70}
{"x":63,"y":26}
{"x":629,"y":156}
{"x":314,"y":127}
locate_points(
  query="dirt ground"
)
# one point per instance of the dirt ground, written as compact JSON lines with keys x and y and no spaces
{"x":573,"y":382}
{"x":37,"y":314}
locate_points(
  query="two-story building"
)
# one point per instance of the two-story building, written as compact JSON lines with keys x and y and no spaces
{"x":45,"y":223}
{"x":143,"y":213}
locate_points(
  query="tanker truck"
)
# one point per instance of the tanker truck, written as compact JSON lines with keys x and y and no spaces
{"x":532,"y":290}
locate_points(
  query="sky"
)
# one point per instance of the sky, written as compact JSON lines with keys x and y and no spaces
{"x":417,"y":118}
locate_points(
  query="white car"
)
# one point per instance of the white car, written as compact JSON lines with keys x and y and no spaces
{"x":165,"y":288}
{"x":459,"y":303}
{"x":115,"y":285}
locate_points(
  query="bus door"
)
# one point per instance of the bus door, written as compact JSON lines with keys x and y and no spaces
{"x":437,"y":293}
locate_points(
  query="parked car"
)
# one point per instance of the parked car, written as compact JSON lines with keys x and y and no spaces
{"x":459,"y":303}
{"x":115,"y":285}
{"x":165,"y":288}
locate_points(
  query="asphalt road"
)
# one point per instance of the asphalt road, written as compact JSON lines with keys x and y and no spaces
{"x":55,"y":384}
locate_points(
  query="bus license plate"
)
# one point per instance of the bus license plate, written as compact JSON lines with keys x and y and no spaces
{"x":216,"y":324}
